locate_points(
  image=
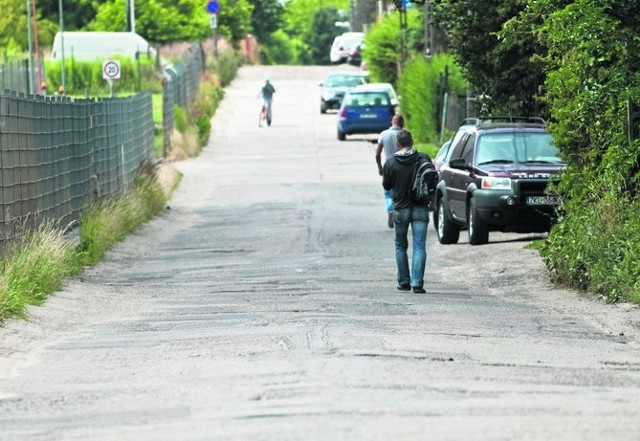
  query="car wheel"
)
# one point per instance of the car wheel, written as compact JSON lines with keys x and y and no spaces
{"x":323,"y":107}
{"x":448,"y":232}
{"x":341,"y":135}
{"x":478,"y":230}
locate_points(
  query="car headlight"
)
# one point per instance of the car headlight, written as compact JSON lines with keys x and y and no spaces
{"x":493,"y":183}
{"x":328,"y":95}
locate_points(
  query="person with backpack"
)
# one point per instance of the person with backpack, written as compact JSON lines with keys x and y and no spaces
{"x":409,"y":211}
{"x":387,"y":143}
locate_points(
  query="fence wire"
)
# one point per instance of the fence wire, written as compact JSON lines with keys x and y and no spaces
{"x":180,"y":86}
{"x":58,"y":153}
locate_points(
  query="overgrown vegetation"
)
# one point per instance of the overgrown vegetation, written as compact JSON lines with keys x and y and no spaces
{"x":591,"y":59}
{"x":384,"y":41}
{"x":105,"y":223}
{"x":39,"y":263}
{"x":421,"y":87}
{"x":85,"y":77}
{"x":33,"y":267}
{"x":573,"y":62}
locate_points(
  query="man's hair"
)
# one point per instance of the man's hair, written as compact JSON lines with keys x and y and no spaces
{"x":404,"y":139}
{"x":397,"y":120}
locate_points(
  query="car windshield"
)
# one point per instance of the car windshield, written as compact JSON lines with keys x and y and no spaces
{"x":344,"y":81}
{"x":523,"y":147}
{"x":368,"y":99}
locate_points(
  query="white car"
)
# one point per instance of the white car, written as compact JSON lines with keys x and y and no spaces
{"x":342,"y":46}
{"x":393,"y":97}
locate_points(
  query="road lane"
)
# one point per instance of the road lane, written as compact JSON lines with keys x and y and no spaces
{"x":262,"y":305}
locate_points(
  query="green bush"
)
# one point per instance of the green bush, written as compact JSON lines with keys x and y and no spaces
{"x":226,"y":65}
{"x":383,"y":41}
{"x":278,"y":49}
{"x":85,"y":77}
{"x":419,"y":87}
{"x":591,"y":75}
{"x":34,"y":267}
{"x":180,"y":119}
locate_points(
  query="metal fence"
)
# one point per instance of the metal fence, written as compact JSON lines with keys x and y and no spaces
{"x":14,"y":75}
{"x":57,"y":153}
{"x":180,"y":86}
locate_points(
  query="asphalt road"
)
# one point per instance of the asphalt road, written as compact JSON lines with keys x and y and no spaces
{"x":262,"y":306}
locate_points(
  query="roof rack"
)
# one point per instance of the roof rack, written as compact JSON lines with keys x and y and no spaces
{"x":476,"y":121}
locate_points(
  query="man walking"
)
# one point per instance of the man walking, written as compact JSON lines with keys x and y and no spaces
{"x":397,"y":175}
{"x":387,"y":143}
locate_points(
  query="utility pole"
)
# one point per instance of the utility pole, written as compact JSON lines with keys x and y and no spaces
{"x":403,"y":36}
{"x":131,"y":15}
{"x":62,"y":68}
{"x":34,"y":19}
{"x":428,"y":29}
{"x":30,"y":43}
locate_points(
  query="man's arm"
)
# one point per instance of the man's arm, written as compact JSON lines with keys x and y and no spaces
{"x":379,"y":157}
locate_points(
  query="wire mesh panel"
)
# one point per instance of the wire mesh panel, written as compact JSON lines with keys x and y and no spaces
{"x":56,"y":154}
{"x":180,"y":87}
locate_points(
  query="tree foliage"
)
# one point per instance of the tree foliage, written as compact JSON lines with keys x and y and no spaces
{"x":308,"y":27}
{"x":266,"y":18}
{"x":504,"y":69}
{"x":591,"y":61}
{"x":168,"y":21}
{"x":14,"y":30}
{"x":323,"y":31}
{"x":383,"y":42}
{"x":77,"y":14}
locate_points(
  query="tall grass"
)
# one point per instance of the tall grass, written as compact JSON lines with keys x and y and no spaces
{"x":34,"y":267}
{"x":105,"y":223}
{"x":37,"y":265}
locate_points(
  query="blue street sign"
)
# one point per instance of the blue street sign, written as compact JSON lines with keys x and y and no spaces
{"x":212,"y":7}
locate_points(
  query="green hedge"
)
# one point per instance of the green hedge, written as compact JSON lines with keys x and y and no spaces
{"x":419,"y":89}
{"x":591,"y":76}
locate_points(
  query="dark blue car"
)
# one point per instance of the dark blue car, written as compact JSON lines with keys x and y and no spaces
{"x":365,"y":109}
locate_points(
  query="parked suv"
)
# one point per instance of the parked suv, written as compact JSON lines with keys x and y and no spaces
{"x":496,"y":178}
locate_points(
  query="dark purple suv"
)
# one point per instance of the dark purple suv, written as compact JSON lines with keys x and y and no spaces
{"x":496,"y":179}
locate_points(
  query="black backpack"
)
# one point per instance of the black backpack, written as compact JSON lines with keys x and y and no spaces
{"x":425,"y":179}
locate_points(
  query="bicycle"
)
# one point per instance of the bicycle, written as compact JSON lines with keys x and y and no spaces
{"x":265,"y":115}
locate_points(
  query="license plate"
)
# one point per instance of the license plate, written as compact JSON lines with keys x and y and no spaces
{"x":542,"y":200}
{"x":368,"y":116}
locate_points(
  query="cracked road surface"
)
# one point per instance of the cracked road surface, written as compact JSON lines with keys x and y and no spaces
{"x":262,"y":306}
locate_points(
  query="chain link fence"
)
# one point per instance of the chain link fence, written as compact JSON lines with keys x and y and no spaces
{"x":179,"y":87}
{"x":58,"y":153}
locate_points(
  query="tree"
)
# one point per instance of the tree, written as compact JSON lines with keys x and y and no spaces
{"x":384,"y":40}
{"x":266,"y":18}
{"x":77,"y":13}
{"x":323,"y":31}
{"x":498,"y":67}
{"x":168,"y":21}
{"x":14,"y":30}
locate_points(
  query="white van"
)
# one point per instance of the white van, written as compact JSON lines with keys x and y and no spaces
{"x":100,"y":45}
{"x":342,"y":45}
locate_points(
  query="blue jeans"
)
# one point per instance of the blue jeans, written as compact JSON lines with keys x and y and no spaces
{"x":418,"y":218}
{"x":388,"y":200}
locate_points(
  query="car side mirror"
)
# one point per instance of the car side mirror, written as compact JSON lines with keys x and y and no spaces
{"x":459,"y":163}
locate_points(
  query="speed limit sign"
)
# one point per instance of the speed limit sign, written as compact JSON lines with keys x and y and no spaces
{"x":111,"y":70}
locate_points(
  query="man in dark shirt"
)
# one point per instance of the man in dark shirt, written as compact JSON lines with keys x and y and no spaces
{"x":397,"y":175}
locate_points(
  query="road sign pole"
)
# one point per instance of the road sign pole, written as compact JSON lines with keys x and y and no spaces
{"x":212,"y":8}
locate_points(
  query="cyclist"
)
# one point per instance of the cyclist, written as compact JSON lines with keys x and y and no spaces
{"x":267,"y":92}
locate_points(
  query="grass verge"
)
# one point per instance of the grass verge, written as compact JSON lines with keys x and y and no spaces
{"x":39,"y":264}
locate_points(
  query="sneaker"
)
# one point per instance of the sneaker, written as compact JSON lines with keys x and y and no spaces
{"x":390,"y":220}
{"x":419,"y":290}
{"x":404,"y":287}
